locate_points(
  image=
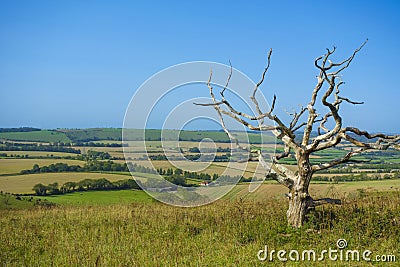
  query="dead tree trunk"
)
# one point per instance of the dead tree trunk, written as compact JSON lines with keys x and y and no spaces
{"x":299,"y":199}
{"x":299,"y":205}
{"x":297,"y":182}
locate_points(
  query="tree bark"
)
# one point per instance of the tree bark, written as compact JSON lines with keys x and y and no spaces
{"x":299,"y":198}
{"x":299,"y":205}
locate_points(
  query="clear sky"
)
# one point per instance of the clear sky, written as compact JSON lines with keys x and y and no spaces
{"x":76,"y":64}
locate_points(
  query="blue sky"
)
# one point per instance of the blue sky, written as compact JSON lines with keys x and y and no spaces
{"x":77,"y":64}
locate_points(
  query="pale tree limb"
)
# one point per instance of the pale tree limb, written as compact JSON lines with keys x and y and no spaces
{"x":285,"y":154}
{"x":219,"y":111}
{"x":329,"y":78}
{"x":227,"y":80}
{"x":327,"y":89}
{"x":281,"y":131}
{"x":323,"y":201}
{"x":296,"y":117}
{"x":253,"y":96}
{"x":335,"y":162}
{"x":283,"y":174}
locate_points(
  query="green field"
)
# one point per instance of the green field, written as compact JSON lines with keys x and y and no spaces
{"x":9,"y":202}
{"x":93,"y":134}
{"x":393,"y":160}
{"x":37,"y":136}
{"x":217,"y":167}
{"x":35,"y":154}
{"x":24,"y":183}
{"x":115,"y":134}
{"x":100,"y":197}
{"x":11,"y":166}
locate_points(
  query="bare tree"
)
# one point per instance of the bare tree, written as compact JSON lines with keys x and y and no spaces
{"x":304,"y":122}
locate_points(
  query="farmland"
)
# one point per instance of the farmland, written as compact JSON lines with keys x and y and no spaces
{"x":128,"y":227}
{"x":107,"y":140}
{"x":37,"y":154}
{"x":266,"y":192}
{"x":36,"y":136}
{"x":114,"y":134}
{"x":24,"y":183}
{"x":199,"y":133}
{"x":13,"y":166}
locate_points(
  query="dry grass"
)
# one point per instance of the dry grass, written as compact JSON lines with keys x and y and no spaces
{"x":226,"y":233}
{"x":8,"y":166}
{"x":214,"y":167}
{"x":271,"y":189}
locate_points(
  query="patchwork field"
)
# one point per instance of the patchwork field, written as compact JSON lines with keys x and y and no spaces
{"x":11,"y":166}
{"x":39,"y":154}
{"x":215,"y":167}
{"x":129,"y":228}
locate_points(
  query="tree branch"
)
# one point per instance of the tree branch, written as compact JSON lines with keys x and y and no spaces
{"x":219,"y":112}
{"x":330,"y":79}
{"x":322,"y":201}
{"x":227,"y":81}
{"x":346,"y":62}
{"x":277,"y":172}
{"x":335,"y":162}
{"x":285,"y":154}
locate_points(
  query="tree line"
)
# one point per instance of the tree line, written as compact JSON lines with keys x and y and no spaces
{"x":95,"y":155}
{"x":187,"y":174}
{"x":93,"y":144}
{"x":208,"y":150}
{"x":8,"y":146}
{"x":20,"y":129}
{"x":216,"y":158}
{"x":84,"y":185}
{"x":373,"y":167}
{"x":356,"y":177}
{"x":91,"y":166}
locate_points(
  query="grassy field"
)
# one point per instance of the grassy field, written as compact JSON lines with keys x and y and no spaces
{"x":393,"y":160}
{"x":158,"y":145}
{"x":271,"y":189}
{"x":100,"y":197}
{"x":267,"y":191}
{"x":8,"y":166}
{"x":129,"y":228}
{"x":93,"y":134}
{"x":113,"y":151}
{"x":226,"y":233}
{"x":37,"y":136}
{"x":216,"y":167}
{"x":39,"y":153}
{"x":115,"y":134}
{"x":9,"y":202}
{"x":24,"y":183}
